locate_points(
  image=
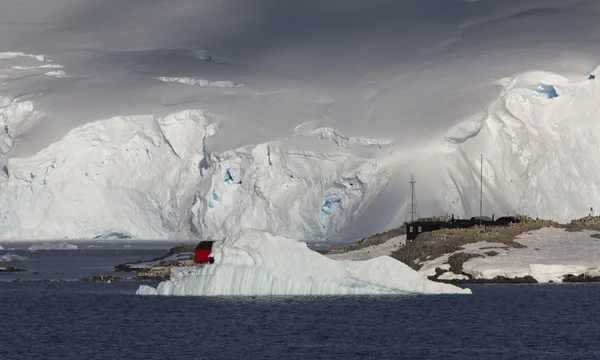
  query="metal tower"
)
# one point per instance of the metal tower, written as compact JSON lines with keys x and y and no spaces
{"x":481,"y":190}
{"x":412,"y":210}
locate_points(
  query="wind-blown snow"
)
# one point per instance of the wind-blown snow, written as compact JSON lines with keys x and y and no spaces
{"x":13,"y":55}
{"x":258,"y":263}
{"x":199,"y":82}
{"x":367,"y":91}
{"x":52,"y":246}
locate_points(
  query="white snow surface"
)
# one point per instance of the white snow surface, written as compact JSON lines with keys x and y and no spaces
{"x":198,"y":82}
{"x":340,"y":101}
{"x":52,"y":246}
{"x":373,"y":251}
{"x":550,"y":254}
{"x":257,"y":263}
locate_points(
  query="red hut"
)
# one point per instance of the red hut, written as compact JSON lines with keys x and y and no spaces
{"x":203,"y":252}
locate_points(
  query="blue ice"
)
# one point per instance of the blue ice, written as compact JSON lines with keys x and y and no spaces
{"x":547,"y":90}
{"x":592,"y":77}
{"x":329,"y":203}
{"x":228,"y":176}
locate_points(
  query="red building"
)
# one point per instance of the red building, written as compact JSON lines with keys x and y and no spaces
{"x":202,"y":253}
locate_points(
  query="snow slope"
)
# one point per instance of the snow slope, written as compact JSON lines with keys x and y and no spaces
{"x":150,"y":119}
{"x":549,"y":255}
{"x":372,"y":251}
{"x":257,"y":263}
{"x":540,"y":148}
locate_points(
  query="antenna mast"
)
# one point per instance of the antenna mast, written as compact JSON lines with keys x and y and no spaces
{"x":481,"y":190}
{"x":413,"y":210}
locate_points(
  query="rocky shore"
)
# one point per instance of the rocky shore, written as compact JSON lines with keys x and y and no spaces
{"x":10,"y":269}
{"x":160,"y":268}
{"x":441,"y":255}
{"x":373,"y":240}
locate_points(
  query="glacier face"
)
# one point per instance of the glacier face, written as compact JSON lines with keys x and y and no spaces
{"x":258,"y":263}
{"x":294,"y":193}
{"x":128,"y":175}
{"x":153,"y":178}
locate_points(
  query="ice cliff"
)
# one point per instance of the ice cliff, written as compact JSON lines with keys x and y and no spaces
{"x":539,"y":146}
{"x":155,"y":177}
{"x":257,"y":263}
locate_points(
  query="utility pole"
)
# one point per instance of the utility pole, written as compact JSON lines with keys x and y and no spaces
{"x":413,"y":210}
{"x":481,"y":190}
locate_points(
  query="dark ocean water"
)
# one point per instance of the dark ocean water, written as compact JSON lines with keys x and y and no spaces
{"x":77,"y":320}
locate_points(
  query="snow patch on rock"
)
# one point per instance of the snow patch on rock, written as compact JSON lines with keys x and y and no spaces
{"x":9,"y":55}
{"x":199,"y":82}
{"x":60,"y":74}
{"x":45,"y":66}
{"x":550,"y":254}
{"x":344,"y":141}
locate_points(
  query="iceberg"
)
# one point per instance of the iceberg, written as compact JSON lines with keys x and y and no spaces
{"x":12,"y":257}
{"x":52,"y":246}
{"x":254,"y":262}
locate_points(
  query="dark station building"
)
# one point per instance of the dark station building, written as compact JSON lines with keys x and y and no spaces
{"x":414,"y":228}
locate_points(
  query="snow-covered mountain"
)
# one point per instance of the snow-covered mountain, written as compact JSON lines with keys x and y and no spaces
{"x":159,"y":119}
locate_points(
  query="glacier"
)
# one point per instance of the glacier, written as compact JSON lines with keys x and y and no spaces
{"x":539,"y":148}
{"x":292,"y":120}
{"x":152,"y":178}
{"x":254,"y":262}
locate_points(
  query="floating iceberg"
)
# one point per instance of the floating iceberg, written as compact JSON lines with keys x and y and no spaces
{"x":258,"y":263}
{"x":52,"y":246}
{"x":12,"y":257}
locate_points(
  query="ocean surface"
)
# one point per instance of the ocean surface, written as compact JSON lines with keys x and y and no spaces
{"x":82,"y":320}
